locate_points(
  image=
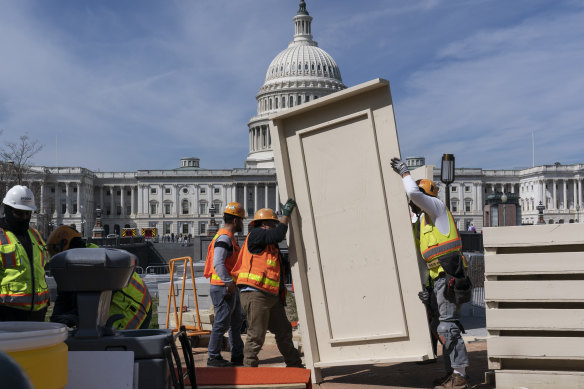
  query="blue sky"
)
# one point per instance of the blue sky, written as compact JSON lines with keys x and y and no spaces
{"x":124,"y":85}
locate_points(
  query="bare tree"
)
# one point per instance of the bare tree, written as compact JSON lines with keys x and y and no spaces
{"x":16,"y":156}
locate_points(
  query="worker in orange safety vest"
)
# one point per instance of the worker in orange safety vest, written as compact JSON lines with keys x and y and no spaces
{"x":221,"y":257}
{"x":260,"y":272}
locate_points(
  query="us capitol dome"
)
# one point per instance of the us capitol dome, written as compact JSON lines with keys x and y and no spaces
{"x":302,"y":72}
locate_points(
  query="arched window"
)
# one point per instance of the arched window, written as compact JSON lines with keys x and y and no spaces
{"x":276,"y":102}
{"x":185,"y":207}
{"x":299,"y":100}
{"x":153,"y":207}
{"x":283,"y":102}
{"x":291,"y":101}
{"x":270,"y":103}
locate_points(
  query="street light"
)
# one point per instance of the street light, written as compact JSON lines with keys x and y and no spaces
{"x":447,"y":174}
{"x":577,"y":212}
{"x":540,"y":209}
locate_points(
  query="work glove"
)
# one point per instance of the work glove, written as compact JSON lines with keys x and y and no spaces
{"x":424,"y":296}
{"x":288,"y":207}
{"x":399,"y":166}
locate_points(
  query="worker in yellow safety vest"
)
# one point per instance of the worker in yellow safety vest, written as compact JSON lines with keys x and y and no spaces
{"x":221,"y":257}
{"x":448,"y":286}
{"x":260,"y":272}
{"x":133,"y":302}
{"x":24,"y":295}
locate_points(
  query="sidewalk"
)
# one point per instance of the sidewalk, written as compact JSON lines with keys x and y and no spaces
{"x":394,"y":376}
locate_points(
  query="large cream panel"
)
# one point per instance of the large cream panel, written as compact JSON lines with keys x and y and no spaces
{"x":535,"y":316}
{"x":354,"y":261}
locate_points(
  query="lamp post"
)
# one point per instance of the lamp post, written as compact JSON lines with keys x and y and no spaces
{"x":540,"y":209}
{"x":447,"y":174}
{"x":577,"y":212}
{"x":504,"y":201}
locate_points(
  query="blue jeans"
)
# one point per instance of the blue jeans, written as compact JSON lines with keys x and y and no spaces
{"x":228,"y":317}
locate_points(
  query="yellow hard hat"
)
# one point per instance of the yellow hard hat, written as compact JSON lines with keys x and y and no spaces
{"x":428,"y":187}
{"x":235,"y":209}
{"x":61,"y":238}
{"x":263,"y":214}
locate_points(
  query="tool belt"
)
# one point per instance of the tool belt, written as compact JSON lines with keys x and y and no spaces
{"x":458,"y":285}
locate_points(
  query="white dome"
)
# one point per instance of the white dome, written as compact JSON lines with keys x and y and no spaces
{"x":301,"y":73}
{"x":303,"y":60}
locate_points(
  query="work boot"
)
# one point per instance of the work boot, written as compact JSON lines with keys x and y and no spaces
{"x":456,"y":381}
{"x":441,"y":380}
{"x":218,"y":362}
{"x":237,"y":361}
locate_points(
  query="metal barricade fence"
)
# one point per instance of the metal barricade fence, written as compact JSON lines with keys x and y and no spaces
{"x":476,"y":262}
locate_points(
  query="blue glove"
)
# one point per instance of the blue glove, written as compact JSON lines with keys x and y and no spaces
{"x":288,"y":207}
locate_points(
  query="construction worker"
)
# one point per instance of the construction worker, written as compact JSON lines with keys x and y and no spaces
{"x":221,"y":257}
{"x":24,"y":295}
{"x":440,"y":247}
{"x":133,"y":302}
{"x":260,"y":272}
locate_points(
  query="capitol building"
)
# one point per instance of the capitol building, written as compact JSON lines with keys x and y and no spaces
{"x":182,"y":200}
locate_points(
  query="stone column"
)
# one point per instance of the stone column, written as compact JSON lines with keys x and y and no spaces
{"x":278,"y":209}
{"x":575,"y":198}
{"x":225,"y":189}
{"x":160,"y":199}
{"x":197,"y":200}
{"x":245,"y":197}
{"x":67,"y":199}
{"x":265,"y":195}
{"x":78,"y":198}
{"x":57,"y":199}
{"x":42,"y":202}
{"x":132,"y":200}
{"x":255,"y":197}
{"x":112,"y":202}
{"x":123,"y":200}
{"x":580,"y":192}
{"x":554,"y":194}
{"x":176,"y":199}
{"x":565,"y":194}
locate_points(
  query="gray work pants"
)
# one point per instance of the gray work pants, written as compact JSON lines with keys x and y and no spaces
{"x":453,"y":348}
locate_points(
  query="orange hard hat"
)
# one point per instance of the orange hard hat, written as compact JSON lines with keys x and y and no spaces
{"x":263,"y":214}
{"x":235,"y":209}
{"x":428,"y":187}
{"x":61,"y":238}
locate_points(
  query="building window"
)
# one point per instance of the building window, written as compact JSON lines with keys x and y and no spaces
{"x":166,"y":228}
{"x":276,"y":102}
{"x":202,"y":207}
{"x":107,"y":192}
{"x":185,"y":190}
{"x":283,"y":102}
{"x":453,"y":188}
{"x":467,"y":205}
{"x":291,"y":101}
{"x":167,"y":190}
{"x":108,"y":211}
{"x":217,"y":205}
{"x":64,"y":208}
{"x":299,"y":100}
{"x":153,"y":208}
{"x":185,"y":228}
{"x":185,"y":207}
{"x":454,"y":206}
{"x":467,"y":188}
{"x":306,"y":98}
{"x":75,"y":190}
{"x":118,"y":209}
{"x":202,"y":228}
{"x":52,"y":190}
{"x":153,"y":190}
{"x":216,"y":190}
{"x":118,"y":192}
{"x":203,"y":190}
{"x":167,"y":208}
{"x":128,"y":209}
{"x":74,"y":208}
{"x":128,"y":193}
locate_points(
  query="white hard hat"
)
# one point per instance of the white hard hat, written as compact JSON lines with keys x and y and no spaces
{"x":20,"y":197}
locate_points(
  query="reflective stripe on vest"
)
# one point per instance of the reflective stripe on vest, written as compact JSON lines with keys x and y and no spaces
{"x":443,"y":244}
{"x":16,"y":285}
{"x":134,"y":302}
{"x":8,"y":258}
{"x":230,"y":261}
{"x":261,"y":271}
